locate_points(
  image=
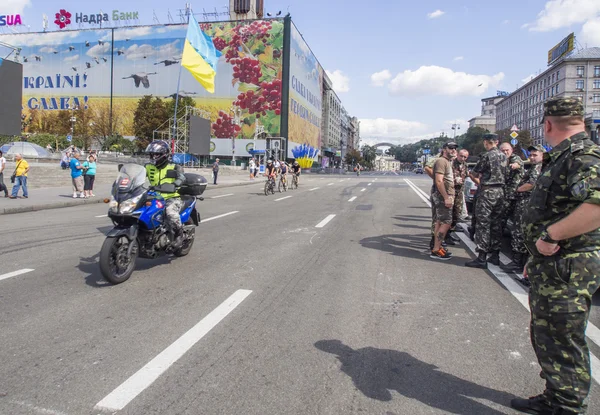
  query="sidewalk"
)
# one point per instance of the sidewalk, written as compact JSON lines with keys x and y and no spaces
{"x":60,"y":197}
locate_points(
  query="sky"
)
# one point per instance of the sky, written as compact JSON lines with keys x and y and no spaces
{"x":407,"y":70}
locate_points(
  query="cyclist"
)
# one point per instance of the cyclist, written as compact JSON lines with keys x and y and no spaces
{"x":270,"y":171}
{"x":284,"y":171}
{"x":357,"y":169}
{"x":296,"y":170}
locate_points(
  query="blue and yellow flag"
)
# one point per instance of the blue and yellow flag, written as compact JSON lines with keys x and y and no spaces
{"x":200,"y":56}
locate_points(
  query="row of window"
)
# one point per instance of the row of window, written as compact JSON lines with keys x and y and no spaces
{"x":581,"y":70}
{"x":580,"y":84}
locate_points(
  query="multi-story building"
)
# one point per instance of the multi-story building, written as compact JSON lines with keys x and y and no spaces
{"x":332,"y":125}
{"x":576,"y":75}
{"x":344,"y":131}
{"x":354,"y":141}
{"x":246,"y":9}
{"x":487,"y":119}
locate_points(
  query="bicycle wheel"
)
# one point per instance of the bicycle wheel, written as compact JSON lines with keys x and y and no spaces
{"x":280,"y":186}
{"x":267,"y":189}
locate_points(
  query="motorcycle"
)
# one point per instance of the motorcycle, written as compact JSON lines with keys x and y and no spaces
{"x":138,"y":212}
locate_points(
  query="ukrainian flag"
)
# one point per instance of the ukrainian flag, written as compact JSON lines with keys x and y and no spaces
{"x":200,"y":56}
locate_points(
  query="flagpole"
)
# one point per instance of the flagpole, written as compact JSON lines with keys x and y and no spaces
{"x":174,"y":132}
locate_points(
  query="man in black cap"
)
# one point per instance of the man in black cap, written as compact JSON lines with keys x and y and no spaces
{"x":442,"y":198}
{"x":522,"y":194}
{"x":491,"y":171}
{"x":562,"y":233}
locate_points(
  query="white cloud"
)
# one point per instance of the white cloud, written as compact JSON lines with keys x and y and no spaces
{"x":71,"y":58}
{"x":14,"y":6}
{"x":506,"y":21}
{"x":132,"y":33}
{"x":436,"y":80}
{"x":590,"y":32}
{"x":47,"y":49}
{"x":341,"y":83}
{"x":563,"y":13}
{"x":435,"y":14}
{"x":136,"y":52}
{"x":34,"y":39}
{"x":98,"y":50}
{"x":458,"y":58}
{"x":380,"y":78}
{"x":390,"y":129}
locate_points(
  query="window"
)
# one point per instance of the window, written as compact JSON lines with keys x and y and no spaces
{"x":579,"y":84}
{"x":596,"y":113}
{"x":558,"y":75}
{"x":596,"y":98}
{"x":580,"y":70}
{"x":596,"y":84}
{"x":552,"y":91}
{"x":557,"y":85}
{"x":553,"y":75}
{"x":596,"y":70}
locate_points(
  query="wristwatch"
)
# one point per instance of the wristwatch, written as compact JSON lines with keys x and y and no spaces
{"x":545,"y":236}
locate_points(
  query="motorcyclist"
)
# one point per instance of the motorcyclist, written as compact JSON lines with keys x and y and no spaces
{"x":156,"y":171}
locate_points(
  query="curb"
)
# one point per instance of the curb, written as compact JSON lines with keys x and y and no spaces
{"x":79,"y":202}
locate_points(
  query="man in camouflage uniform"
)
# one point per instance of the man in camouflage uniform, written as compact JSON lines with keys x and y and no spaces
{"x":514,"y":174}
{"x":459,"y":167}
{"x":522,"y":200}
{"x":428,"y":169}
{"x":490,"y":170}
{"x":562,"y":234}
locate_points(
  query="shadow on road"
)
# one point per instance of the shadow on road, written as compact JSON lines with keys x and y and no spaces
{"x":377,"y":372}
{"x":409,"y":246}
{"x":414,"y":218}
{"x":93,"y":277}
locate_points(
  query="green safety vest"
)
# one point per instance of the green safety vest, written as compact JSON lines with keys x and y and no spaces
{"x":158,"y":176}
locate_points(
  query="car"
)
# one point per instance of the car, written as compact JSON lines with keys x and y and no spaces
{"x":419,"y":170}
{"x":470,"y":188}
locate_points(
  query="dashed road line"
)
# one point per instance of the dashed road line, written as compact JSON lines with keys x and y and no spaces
{"x":325,"y":221}
{"x":352,"y":199}
{"x":15,"y":273}
{"x":220,"y":196}
{"x":312,"y":190}
{"x":283,"y":198}
{"x":220,"y":216}
{"x":330,"y":184}
{"x":102,"y":216}
{"x":139,"y":381}
{"x":363,"y":189}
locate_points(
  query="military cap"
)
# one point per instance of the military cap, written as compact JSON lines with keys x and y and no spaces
{"x":450,"y":144}
{"x":490,"y":137}
{"x":561,"y":107}
{"x":537,"y":147}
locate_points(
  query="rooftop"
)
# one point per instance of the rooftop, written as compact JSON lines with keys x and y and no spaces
{"x":589,"y":53}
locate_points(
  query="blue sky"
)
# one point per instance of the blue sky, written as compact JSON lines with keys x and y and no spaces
{"x":406,"y":69}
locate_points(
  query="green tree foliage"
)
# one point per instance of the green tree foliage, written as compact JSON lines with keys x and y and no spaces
{"x":118,"y":144}
{"x":369,"y":155}
{"x":149,"y":115}
{"x":183,"y":102}
{"x":352,"y":157}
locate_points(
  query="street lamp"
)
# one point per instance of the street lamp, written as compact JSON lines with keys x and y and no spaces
{"x":455,"y":127}
{"x":73,"y":119}
{"x":237,"y":115}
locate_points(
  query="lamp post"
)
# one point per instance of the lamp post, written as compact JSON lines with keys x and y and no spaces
{"x":237,"y":115}
{"x":454,"y":128}
{"x":73,"y":119}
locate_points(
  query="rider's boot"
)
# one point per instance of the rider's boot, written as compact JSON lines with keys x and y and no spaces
{"x":178,"y":240}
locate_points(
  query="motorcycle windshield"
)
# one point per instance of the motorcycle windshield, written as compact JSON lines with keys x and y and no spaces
{"x":130,"y":182}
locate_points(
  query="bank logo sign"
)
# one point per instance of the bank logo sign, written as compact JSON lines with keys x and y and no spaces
{"x":63,"y":17}
{"x":10,"y":20}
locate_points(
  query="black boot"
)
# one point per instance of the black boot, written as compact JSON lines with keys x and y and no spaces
{"x":452,"y":235}
{"x":480,"y":262}
{"x":517,"y":262}
{"x":178,"y":240}
{"x":431,"y":243}
{"x":534,"y":405}
{"x":471,"y":230}
{"x":495,"y":258}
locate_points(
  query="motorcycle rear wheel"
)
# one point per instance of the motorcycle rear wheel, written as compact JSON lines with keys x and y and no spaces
{"x":115,"y":266}
{"x":187,"y":243}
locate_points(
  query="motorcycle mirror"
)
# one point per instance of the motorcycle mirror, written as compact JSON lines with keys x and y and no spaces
{"x":119,"y":167}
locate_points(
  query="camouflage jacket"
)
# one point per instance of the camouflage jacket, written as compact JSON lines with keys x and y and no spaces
{"x":460,"y":170}
{"x":530,"y":177}
{"x":492,"y":168}
{"x":513,"y":177}
{"x":569,"y":177}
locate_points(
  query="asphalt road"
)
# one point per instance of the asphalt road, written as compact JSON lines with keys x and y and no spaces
{"x":269,"y":314}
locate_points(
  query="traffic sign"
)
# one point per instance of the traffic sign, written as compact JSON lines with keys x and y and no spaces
{"x":514,"y":142}
{"x":514,"y":128}
{"x":426,"y":151}
{"x":514,"y":134}
{"x":69,"y":138}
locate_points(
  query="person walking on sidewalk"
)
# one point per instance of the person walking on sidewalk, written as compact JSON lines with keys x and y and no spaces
{"x":20,"y":177}
{"x":76,"y":176}
{"x":252,"y":167}
{"x":562,"y":233}
{"x":215,"y":170}
{"x":2,"y":167}
{"x":89,"y":167}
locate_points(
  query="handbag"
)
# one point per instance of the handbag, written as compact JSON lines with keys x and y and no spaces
{"x":13,"y":177}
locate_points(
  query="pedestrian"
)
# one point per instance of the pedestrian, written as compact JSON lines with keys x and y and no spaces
{"x":215,"y":170}
{"x":19,"y":177}
{"x":491,"y":170}
{"x":2,"y":167}
{"x":460,"y":171}
{"x":89,"y":176}
{"x":562,"y":233}
{"x":76,"y":175}
{"x":252,"y":166}
{"x":443,"y":198}
{"x":428,"y":169}
{"x":514,"y":174}
{"x":522,"y":200}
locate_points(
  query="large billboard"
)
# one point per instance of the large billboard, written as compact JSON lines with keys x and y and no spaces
{"x":86,"y":68}
{"x":11,"y":74}
{"x":564,"y":47}
{"x":305,"y":96}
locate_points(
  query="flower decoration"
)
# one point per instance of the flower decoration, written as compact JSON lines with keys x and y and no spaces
{"x":63,"y":18}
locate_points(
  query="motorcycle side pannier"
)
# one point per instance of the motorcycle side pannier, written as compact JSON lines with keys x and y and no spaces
{"x":194,"y":185}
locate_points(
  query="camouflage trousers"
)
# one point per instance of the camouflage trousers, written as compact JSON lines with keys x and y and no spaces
{"x":459,"y":198}
{"x":517,"y":238}
{"x":509,"y":208}
{"x":172,"y":208}
{"x":489,"y":207}
{"x":560,"y":298}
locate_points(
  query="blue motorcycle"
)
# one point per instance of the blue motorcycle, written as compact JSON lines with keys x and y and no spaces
{"x":138,"y":213}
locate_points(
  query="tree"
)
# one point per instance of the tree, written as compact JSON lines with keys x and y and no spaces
{"x":352,"y":157}
{"x":149,"y":115}
{"x":472,"y":140}
{"x":102,"y":126}
{"x":183,"y":102}
{"x":369,"y":155}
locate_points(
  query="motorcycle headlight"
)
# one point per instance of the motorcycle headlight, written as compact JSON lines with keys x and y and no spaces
{"x":129,"y":205}
{"x":112,"y":205}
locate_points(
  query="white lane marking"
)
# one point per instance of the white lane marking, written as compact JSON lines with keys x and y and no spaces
{"x":15,"y":273}
{"x":363,"y":189}
{"x":342,"y":180}
{"x":316,"y":188}
{"x":282,"y":198}
{"x":132,"y":387}
{"x":102,"y":216}
{"x":322,"y":178}
{"x":220,"y":196}
{"x":369,"y":184}
{"x":220,"y":216}
{"x":325,"y":221}
{"x":417,"y":188}
{"x":352,"y":199}
{"x":330,"y":184}
{"x":592,"y":332}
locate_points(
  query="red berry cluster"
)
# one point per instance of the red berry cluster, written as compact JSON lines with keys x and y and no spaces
{"x":271,"y":91}
{"x":234,"y":46}
{"x":224,"y":126}
{"x":205,"y":27}
{"x":219,"y":43}
{"x":268,"y":98}
{"x":247,"y":70}
{"x":257,"y":29}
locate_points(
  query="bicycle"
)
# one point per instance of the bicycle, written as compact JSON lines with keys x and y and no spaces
{"x":270,"y":186}
{"x":282,"y":184}
{"x":295,"y":181}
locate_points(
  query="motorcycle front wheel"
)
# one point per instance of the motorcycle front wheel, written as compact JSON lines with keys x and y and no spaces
{"x":116,"y":264}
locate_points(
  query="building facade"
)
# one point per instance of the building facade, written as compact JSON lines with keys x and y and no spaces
{"x":332,"y":124}
{"x":354,"y":133}
{"x":487,"y":119}
{"x":577,"y":75}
